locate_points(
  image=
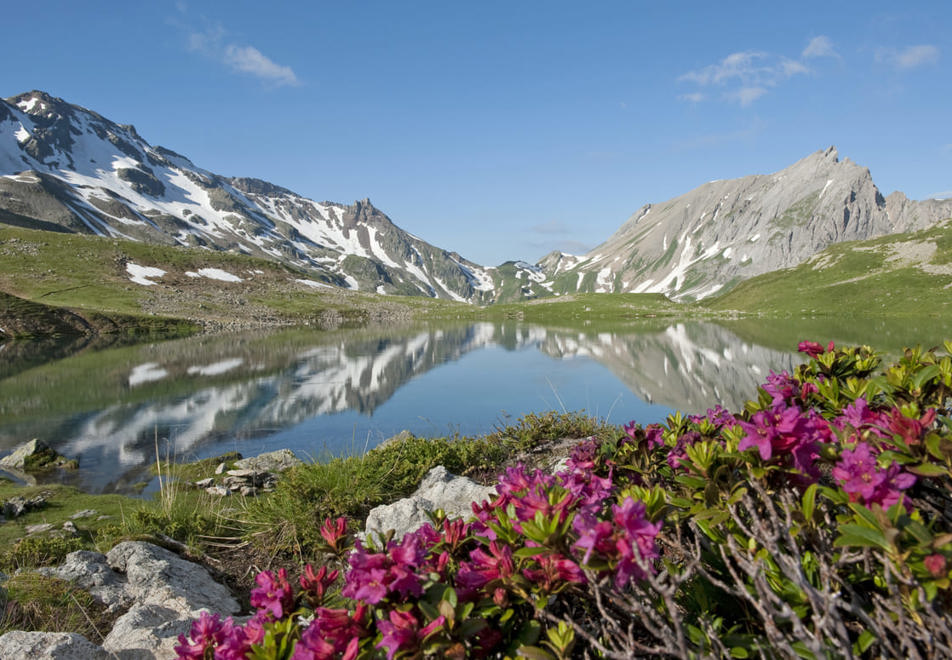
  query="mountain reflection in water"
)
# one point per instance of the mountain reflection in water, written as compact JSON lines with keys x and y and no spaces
{"x":319,"y":392}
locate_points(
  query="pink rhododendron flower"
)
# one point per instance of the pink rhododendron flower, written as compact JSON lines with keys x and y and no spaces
{"x":333,"y":633}
{"x":788,"y":433}
{"x":780,"y":387}
{"x":314,"y":585}
{"x":678,"y":453}
{"x":334,"y":533}
{"x":861,"y":478}
{"x":627,"y":541}
{"x":482,"y":567}
{"x":813,"y":349}
{"x":554,"y":570}
{"x":911,"y":430}
{"x":401,"y":632}
{"x":273,"y":593}
{"x":395,"y":572}
{"x":206,"y":632}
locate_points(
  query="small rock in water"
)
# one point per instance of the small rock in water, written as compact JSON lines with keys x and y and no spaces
{"x":35,"y":455}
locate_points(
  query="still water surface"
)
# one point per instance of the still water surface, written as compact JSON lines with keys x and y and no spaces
{"x":321,"y":393}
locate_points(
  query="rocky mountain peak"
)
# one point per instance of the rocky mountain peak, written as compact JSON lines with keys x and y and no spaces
{"x":67,"y":168}
{"x":722,"y":232}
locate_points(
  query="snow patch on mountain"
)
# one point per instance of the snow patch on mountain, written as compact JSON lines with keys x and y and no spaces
{"x":142,"y":274}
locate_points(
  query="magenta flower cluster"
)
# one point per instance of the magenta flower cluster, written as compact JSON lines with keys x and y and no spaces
{"x":477,"y":559}
{"x":545,"y":534}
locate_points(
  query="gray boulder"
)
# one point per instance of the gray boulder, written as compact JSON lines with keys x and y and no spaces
{"x":34,"y":454}
{"x":272,"y":461}
{"x":91,"y":571}
{"x":163,"y":592}
{"x":50,"y":646}
{"x":148,"y":631}
{"x":439,"y":490}
{"x":156,"y":575}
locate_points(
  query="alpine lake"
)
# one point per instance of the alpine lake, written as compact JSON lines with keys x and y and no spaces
{"x":324,"y":393}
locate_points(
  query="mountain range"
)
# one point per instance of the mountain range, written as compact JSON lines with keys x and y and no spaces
{"x":68,"y":169}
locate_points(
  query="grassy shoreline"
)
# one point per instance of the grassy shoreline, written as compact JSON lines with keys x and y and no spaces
{"x":231,"y":533}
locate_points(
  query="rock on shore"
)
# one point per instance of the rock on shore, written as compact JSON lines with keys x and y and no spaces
{"x":162,"y":591}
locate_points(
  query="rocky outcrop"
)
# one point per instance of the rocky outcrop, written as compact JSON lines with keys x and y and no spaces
{"x":272,"y":461}
{"x":135,"y":190}
{"x":34,"y":455}
{"x":439,"y":490}
{"x":161,"y":593}
{"x":702,"y":242}
{"x":50,"y":646}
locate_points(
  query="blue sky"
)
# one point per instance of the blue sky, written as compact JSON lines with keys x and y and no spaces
{"x":504,"y":130}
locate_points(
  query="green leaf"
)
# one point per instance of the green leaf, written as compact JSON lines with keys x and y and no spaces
{"x":920,"y":532}
{"x":808,"y":502}
{"x":429,"y":610}
{"x":861,"y":536}
{"x":739,"y":652}
{"x":865,"y":640}
{"x":534,"y":653}
{"x":523,"y":553}
{"x":691,"y":481}
{"x":865,"y":515}
{"x":927,"y":470}
{"x":921,"y":376}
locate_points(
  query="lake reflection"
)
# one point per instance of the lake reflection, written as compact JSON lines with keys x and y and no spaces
{"x":319,"y":392}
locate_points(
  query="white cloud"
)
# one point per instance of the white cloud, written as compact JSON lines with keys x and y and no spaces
{"x":746,"y":95}
{"x":243,"y":59}
{"x":248,"y":59}
{"x":909,"y":57}
{"x":820,"y":46}
{"x":747,"y":75}
{"x":749,"y":67}
{"x":914,"y":56}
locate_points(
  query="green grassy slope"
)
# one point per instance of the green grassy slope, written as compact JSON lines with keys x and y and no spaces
{"x":907,"y":275}
{"x":89,"y":274}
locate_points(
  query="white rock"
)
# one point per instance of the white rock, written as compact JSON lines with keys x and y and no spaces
{"x":148,"y":632}
{"x":91,"y":571}
{"x":272,"y":461}
{"x":49,"y":646}
{"x":439,"y":490}
{"x":156,"y":575}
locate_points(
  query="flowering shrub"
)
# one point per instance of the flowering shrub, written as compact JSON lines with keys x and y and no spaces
{"x":813,"y":523}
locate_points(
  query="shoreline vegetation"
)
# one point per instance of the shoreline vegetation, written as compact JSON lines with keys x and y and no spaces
{"x":80,"y":285}
{"x":811,"y":522}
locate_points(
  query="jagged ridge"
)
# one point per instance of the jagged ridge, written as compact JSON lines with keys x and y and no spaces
{"x":66,"y":168}
{"x":707,"y":240}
